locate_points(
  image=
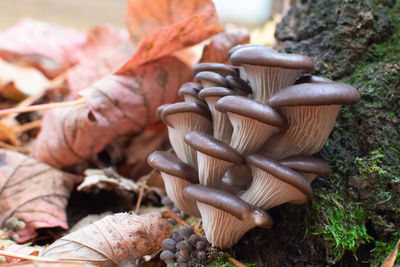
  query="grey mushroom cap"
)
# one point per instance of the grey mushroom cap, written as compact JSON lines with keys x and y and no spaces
{"x":169,"y":163}
{"x":312,"y":94}
{"x":219,"y":68}
{"x":229,"y":203}
{"x":211,"y":77}
{"x":241,"y":46}
{"x":252,"y":109}
{"x":312,"y":79}
{"x":208,"y":145}
{"x":267,"y":57}
{"x":306,"y":164}
{"x":215,"y":91}
{"x":160,"y":109}
{"x":236,"y":83}
{"x":183,"y":107}
{"x":197,"y":87}
{"x":281,"y":172}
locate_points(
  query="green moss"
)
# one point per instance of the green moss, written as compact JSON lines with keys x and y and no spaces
{"x":341,"y":224}
{"x":370,"y":166}
{"x":383,"y":248}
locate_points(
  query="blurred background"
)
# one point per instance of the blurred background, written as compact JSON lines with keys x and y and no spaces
{"x":87,"y":13}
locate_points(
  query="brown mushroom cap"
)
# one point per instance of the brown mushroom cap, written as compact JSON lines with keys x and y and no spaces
{"x":268,"y":57}
{"x":160,"y":109}
{"x":208,"y":145}
{"x":208,"y":77}
{"x":306,"y":164}
{"x":251,"y":108}
{"x":312,"y":79}
{"x":219,"y":68}
{"x":241,"y":46}
{"x":215,"y":91}
{"x":197,"y":87}
{"x":311,"y":94}
{"x":281,"y":172}
{"x":167,"y":162}
{"x":229,"y":203}
{"x":187,"y":91}
{"x":183,"y":107}
{"x":237,"y":83}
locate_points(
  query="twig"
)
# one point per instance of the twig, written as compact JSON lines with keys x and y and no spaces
{"x":26,"y":257}
{"x":173,"y":215}
{"x":42,"y":107}
{"x":21,"y":149}
{"x":28,"y":126}
{"x":140,"y":197}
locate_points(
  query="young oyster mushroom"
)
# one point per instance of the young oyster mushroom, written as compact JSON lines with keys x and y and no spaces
{"x":176,"y":175}
{"x":269,"y":71}
{"x":238,"y":85}
{"x":214,"y":157}
{"x":226,"y":218}
{"x":210,"y":79}
{"x":274,"y":184}
{"x":309,"y":167}
{"x":182,"y":118}
{"x":253,"y":123}
{"x":311,"y":110}
{"x":219,"y":68}
{"x":190,"y":93}
{"x":222,"y":127}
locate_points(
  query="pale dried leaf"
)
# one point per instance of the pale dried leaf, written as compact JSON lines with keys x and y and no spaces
{"x":32,"y":192}
{"x":217,"y":50}
{"x":111,"y":240}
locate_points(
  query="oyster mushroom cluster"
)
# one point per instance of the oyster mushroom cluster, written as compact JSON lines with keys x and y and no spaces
{"x":244,"y":136}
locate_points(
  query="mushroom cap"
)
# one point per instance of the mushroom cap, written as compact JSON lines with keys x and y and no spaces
{"x":211,"y":77}
{"x":167,"y":162}
{"x":160,"y":109}
{"x":197,"y":87}
{"x":315,"y":94}
{"x":219,"y":68}
{"x":312,"y":79}
{"x":227,"y":202}
{"x":281,"y":172}
{"x":215,"y":91}
{"x":183,"y":107}
{"x":240,"y":46}
{"x":188,"y":90}
{"x":306,"y":164}
{"x":238,"y":83}
{"x":209,"y":145}
{"x":268,"y":57}
{"x":252,"y":109}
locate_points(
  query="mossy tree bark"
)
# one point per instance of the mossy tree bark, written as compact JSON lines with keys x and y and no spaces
{"x":354,"y":217}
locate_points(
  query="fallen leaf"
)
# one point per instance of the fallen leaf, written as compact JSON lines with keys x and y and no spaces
{"x":20,"y":249}
{"x":17,"y":82}
{"x":50,"y":48}
{"x":112,"y":239}
{"x":217,"y":50}
{"x":116,"y":105}
{"x":46,"y":264}
{"x":32,"y":192}
{"x":8,"y":135}
{"x":144,"y":17}
{"x":164,"y":27}
{"x":105,"y":51}
{"x":391,"y":258}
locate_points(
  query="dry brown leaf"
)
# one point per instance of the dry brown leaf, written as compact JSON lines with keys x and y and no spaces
{"x":20,"y":249}
{"x":105,"y":51}
{"x":48,"y":47}
{"x":32,"y":192}
{"x":391,"y":258}
{"x":116,"y":105}
{"x":112,"y":239}
{"x":217,"y":50}
{"x":17,"y":82}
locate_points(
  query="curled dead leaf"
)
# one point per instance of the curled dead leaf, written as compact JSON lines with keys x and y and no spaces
{"x":391,"y":258}
{"x":115,"y":105}
{"x":112,"y":239}
{"x":32,"y":192}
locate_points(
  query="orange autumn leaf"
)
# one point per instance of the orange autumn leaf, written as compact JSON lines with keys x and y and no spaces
{"x":391,"y":258}
{"x":33,"y":192}
{"x":111,"y":240}
{"x":164,"y":27}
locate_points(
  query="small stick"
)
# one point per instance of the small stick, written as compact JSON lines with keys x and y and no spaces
{"x":42,"y":107}
{"x":173,"y":215}
{"x":28,"y":126}
{"x":21,"y":149}
{"x":140,"y":197}
{"x":26,"y":257}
